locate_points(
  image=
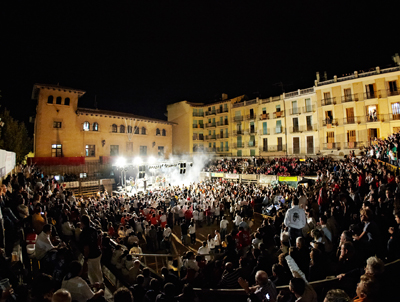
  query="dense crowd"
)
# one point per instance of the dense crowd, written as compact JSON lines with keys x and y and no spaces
{"x":346,"y":225}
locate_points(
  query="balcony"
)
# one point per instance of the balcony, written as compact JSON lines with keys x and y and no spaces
{"x":331,"y":146}
{"x":198,"y":114}
{"x":264,"y":116}
{"x":303,"y":128}
{"x":238,"y":132}
{"x":224,"y":149}
{"x":328,"y":101}
{"x":239,"y":146}
{"x":251,"y":144}
{"x":198,"y":148}
{"x":223,"y":135}
{"x":295,"y":129}
{"x":279,"y":114}
{"x":237,"y":118}
{"x":222,"y":110}
{"x":277,"y":148}
{"x":353,"y":120}
{"x":350,"y":98}
{"x":210,"y":112}
{"x":213,"y":136}
{"x":195,"y":126}
{"x":199,"y":137}
{"x":211,"y":150}
{"x":250,"y":117}
{"x":209,"y":125}
{"x":309,"y":109}
{"x":353,"y":145}
{"x":223,"y":123}
{"x":377,"y":118}
{"x":392,"y":92}
{"x":264,"y":132}
{"x":371,"y":95}
{"x":293,"y":111}
{"x":330,"y":122}
{"x":395,"y":117}
{"x":279,"y":130}
{"x":252,"y":131}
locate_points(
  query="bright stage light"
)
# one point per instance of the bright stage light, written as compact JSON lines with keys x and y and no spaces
{"x":151,"y":160}
{"x":121,"y":161}
{"x":137,"y":161}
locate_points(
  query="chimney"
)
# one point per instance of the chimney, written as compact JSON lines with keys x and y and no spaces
{"x":224,"y":97}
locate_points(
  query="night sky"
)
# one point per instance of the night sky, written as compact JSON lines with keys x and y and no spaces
{"x":139,"y":56}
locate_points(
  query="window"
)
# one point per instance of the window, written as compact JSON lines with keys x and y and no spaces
{"x":330,"y":137}
{"x":351,"y":136}
{"x":57,"y":124}
{"x":114,"y":150}
{"x":278,"y":108}
{"x":143,"y":130}
{"x":58,"y":100}
{"x":90,"y":151}
{"x":95,"y":127}
{"x":158,"y":131}
{"x":143,"y":150}
{"x":56,"y":150}
{"x":114,"y":128}
{"x":122,"y":129}
{"x":160,"y":150}
{"x":129,"y":129}
{"x":164,"y":133}
{"x":50,"y":99}
{"x":136,"y":130}
{"x":66,"y":101}
{"x":129,"y":146}
{"x":86,"y":126}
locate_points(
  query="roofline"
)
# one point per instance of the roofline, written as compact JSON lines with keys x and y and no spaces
{"x":122,"y":114}
{"x":38,"y":86}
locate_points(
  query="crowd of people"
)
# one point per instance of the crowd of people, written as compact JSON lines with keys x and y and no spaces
{"x":346,"y":225}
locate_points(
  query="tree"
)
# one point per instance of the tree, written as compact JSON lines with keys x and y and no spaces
{"x":14,"y":136}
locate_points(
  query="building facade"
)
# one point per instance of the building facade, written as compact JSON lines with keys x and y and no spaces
{"x":63,"y":130}
{"x":334,"y":117}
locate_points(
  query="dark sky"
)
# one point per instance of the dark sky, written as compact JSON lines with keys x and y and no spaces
{"x":139,"y":56}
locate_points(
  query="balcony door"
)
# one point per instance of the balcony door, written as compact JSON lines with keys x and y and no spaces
{"x":372,"y":134}
{"x":239,"y":142}
{"x":295,"y":124}
{"x":265,"y":144}
{"x":310,"y":145}
{"x":280,"y":147}
{"x":294,"y":107}
{"x":252,"y":129}
{"x":296,"y":145}
{"x":370,"y":91}
{"x":278,"y":127}
{"x":347,"y":94}
{"x":350,"y":115}
{"x":308,"y":105}
{"x":309,"y":122}
{"x":251,"y":113}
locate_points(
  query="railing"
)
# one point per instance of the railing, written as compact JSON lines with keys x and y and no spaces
{"x":225,"y":135}
{"x":394,"y":117}
{"x":198,"y":114}
{"x":210,"y":112}
{"x":303,"y":128}
{"x":346,"y":78}
{"x":294,"y":111}
{"x":251,"y":144}
{"x":279,"y":114}
{"x":264,"y":132}
{"x":353,"y":145}
{"x":223,"y":123}
{"x":370,"y":95}
{"x":294,"y":129}
{"x":367,"y":74}
{"x":326,"y":82}
{"x":211,"y":149}
{"x":213,"y":136}
{"x":252,"y":131}
{"x":328,"y":101}
{"x":224,"y":149}
{"x":350,"y":98}
{"x":353,"y":120}
{"x":222,"y":110}
{"x":331,"y":146}
{"x":291,"y":94}
{"x":310,"y":108}
{"x":279,"y":130}
{"x":236,"y":105}
{"x":307,"y":91}
{"x":277,"y":148}
{"x":198,"y":126}
{"x":251,"y":102}
{"x":237,"y":118}
{"x":238,"y":132}
{"x":238,"y":146}
{"x":376,"y":118}
{"x":390,"y":92}
{"x":331,"y":122}
{"x":251,"y":117}
{"x":264,"y":116}
{"x":198,"y":137}
{"x":198,"y":149}
{"x":208,"y":125}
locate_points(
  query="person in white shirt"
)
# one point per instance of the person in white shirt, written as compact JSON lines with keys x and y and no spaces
{"x":192,"y":232}
{"x":211,"y":245}
{"x":295,"y":220}
{"x":223,"y":226}
{"x":68,"y":228}
{"x":191,"y":262}
{"x":217,"y":241}
{"x":204,"y":250}
{"x":43,"y":242}
{"x":80,"y":291}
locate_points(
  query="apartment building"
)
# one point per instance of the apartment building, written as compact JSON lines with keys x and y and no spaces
{"x":356,"y":108}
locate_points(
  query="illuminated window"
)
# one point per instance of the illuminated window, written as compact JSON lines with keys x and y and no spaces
{"x":95,"y":127}
{"x":58,"y":100}
{"x":50,"y":99}
{"x":56,"y":150}
{"x":66,"y":102}
{"x":164,"y":133}
{"x":122,"y":129}
{"x":114,"y":128}
{"x":143,"y":130}
{"x":57,"y":124}
{"x":90,"y":151}
{"x":158,"y":131}
{"x":86,"y":126}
